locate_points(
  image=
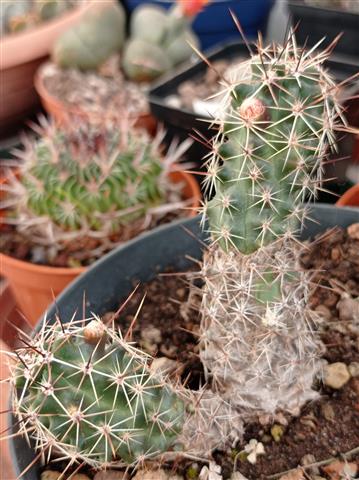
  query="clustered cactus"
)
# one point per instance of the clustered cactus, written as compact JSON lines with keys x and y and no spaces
{"x":159,"y":40}
{"x":86,"y":181}
{"x":82,"y":392}
{"x":18,"y":15}
{"x":90,"y":42}
{"x":276,"y":124}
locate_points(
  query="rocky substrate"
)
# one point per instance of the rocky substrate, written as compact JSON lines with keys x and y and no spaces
{"x":103,"y":92}
{"x":322,"y":443}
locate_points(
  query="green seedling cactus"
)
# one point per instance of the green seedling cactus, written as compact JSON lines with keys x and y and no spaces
{"x":84,"y":181}
{"x":85,"y":394}
{"x":91,"y":42}
{"x":276,"y":127}
{"x":48,"y":9}
{"x":159,"y":40}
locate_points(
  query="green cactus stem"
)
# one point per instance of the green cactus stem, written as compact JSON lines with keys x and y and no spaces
{"x":276,"y":127}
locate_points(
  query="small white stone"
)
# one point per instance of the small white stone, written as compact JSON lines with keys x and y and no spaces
{"x":354,"y":369}
{"x":163,"y":365}
{"x":238,"y":476}
{"x":159,"y":474}
{"x":336,"y":375}
{"x":111,"y":475}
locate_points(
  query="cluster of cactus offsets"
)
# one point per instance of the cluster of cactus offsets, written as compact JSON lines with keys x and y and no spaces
{"x":86,"y":181}
{"x":276,"y":126}
{"x":91,"y":42}
{"x":159,"y":39}
{"x":22,"y":14}
{"x":85,"y":394}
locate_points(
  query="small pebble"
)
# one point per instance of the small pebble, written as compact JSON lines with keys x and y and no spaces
{"x":80,"y":476}
{"x":353,"y":231}
{"x":354,"y":369}
{"x":309,"y":459}
{"x":151,"y":335}
{"x":159,"y":474}
{"x":277,"y":432}
{"x":339,"y":470}
{"x":323,"y":311}
{"x":328,"y":412}
{"x":238,"y":476}
{"x":348,"y":309}
{"x":294,"y":475}
{"x":163,"y":365}
{"x":50,"y":475}
{"x":111,"y":475}
{"x":336,"y":375}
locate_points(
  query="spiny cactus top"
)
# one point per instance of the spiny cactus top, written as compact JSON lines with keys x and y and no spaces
{"x":276,"y":126}
{"x":88,"y":182}
{"x":83,"y":393}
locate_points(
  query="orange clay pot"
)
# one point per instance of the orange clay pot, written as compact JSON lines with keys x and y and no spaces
{"x":21,"y":55}
{"x":350,"y":198}
{"x":62,"y":112}
{"x":34,"y":286}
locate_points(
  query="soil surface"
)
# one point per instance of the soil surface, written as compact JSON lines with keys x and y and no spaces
{"x":202,"y":87}
{"x":325,"y":428}
{"x":102,"y":92}
{"x":79,"y":252}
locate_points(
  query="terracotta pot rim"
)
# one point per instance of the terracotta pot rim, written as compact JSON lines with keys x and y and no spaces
{"x":48,"y":98}
{"x":19,"y":42}
{"x":63,"y":271}
{"x":346,"y":200}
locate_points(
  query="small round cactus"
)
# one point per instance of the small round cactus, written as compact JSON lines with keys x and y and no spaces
{"x":84,"y":393}
{"x":85,"y":181}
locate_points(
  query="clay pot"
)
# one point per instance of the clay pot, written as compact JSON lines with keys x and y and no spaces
{"x":62,"y":112}
{"x":21,"y":55}
{"x":350,"y":198}
{"x":35,"y":286}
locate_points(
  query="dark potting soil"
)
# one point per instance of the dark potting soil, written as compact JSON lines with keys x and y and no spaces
{"x":79,"y":252}
{"x":325,"y":428}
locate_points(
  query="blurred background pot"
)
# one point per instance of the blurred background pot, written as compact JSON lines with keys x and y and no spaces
{"x":62,"y":112}
{"x":35,"y":286}
{"x":214,"y":24}
{"x":350,"y":197}
{"x":21,"y":55}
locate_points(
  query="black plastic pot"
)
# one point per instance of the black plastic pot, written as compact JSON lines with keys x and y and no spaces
{"x":180,"y":122}
{"x":318,"y":22}
{"x":110,"y":280}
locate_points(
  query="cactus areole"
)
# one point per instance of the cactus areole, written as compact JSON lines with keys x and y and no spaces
{"x":276,"y":126}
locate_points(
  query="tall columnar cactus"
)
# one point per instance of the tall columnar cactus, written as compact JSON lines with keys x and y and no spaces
{"x":83,"y":181}
{"x":159,"y":39}
{"x":276,"y":125}
{"x":83,"y":393}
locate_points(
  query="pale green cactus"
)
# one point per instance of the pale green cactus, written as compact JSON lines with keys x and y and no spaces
{"x":159,"y":40}
{"x":85,"y":394}
{"x":91,"y":42}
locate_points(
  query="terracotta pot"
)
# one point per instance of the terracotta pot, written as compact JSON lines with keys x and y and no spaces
{"x":21,"y":55}
{"x":63,"y":112}
{"x":6,"y":470}
{"x":34,"y":286}
{"x":350,"y":198}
